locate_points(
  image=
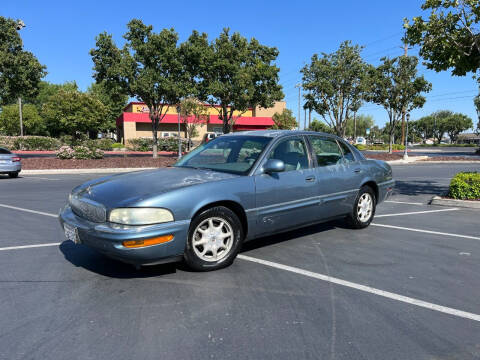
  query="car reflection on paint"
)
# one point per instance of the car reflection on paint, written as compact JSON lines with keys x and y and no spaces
{"x":234,"y":188}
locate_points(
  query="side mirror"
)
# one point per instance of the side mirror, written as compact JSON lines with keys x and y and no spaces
{"x":273,"y":166}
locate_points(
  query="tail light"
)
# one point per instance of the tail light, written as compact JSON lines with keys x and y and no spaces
{"x":16,"y":159}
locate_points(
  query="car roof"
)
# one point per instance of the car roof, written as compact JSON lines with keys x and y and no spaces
{"x":277,"y":133}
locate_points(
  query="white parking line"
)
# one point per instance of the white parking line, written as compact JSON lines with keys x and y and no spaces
{"x":364,"y":288}
{"x":28,"y":210}
{"x":28,"y":246}
{"x":403,"y":202}
{"x":417,"y":212}
{"x":40,"y":178}
{"x":426,"y":231}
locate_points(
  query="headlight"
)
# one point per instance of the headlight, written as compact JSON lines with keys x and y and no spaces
{"x":140,"y":216}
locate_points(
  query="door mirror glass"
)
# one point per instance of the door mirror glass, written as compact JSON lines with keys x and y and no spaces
{"x":273,"y":166}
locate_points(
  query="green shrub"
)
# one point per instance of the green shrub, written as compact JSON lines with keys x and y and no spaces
{"x":65,"y":152}
{"x":379,"y":147}
{"x":164,"y":144}
{"x":30,"y":142}
{"x":84,"y":152}
{"x":102,"y":144}
{"x":465,"y":186}
{"x":117,"y":146}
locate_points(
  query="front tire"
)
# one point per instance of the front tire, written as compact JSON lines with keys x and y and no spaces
{"x":214,"y":239}
{"x":363,"y":209}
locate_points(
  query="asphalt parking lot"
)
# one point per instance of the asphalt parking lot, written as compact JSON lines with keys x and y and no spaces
{"x":407,"y":287}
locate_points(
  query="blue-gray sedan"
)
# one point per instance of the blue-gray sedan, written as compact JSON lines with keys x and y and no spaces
{"x":9,"y":163}
{"x":234,"y":188}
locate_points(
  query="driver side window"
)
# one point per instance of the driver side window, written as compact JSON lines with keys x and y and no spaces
{"x":292,"y":152}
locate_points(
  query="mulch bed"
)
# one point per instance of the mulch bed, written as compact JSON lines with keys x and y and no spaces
{"x":127,"y":162}
{"x":452,"y":158}
{"x":385,"y":156}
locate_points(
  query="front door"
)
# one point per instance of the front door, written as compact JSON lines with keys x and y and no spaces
{"x":287,"y":199}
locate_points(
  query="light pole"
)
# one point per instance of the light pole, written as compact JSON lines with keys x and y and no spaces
{"x":20,"y":26}
{"x":179,"y":138}
{"x":299,"y":86}
{"x":405,"y":155}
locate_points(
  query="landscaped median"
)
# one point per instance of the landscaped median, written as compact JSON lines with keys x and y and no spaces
{"x":464,"y":191}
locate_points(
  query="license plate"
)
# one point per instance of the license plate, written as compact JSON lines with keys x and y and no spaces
{"x":71,"y":233}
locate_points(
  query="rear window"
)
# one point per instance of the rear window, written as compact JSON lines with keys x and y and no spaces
{"x":4,"y":151}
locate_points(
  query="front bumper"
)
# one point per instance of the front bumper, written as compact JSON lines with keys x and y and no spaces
{"x":108,"y":238}
{"x":385,"y":190}
{"x":8,"y":168}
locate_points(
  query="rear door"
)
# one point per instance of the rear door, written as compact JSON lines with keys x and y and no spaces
{"x":334,"y":187}
{"x":287,"y":199}
{"x":5,"y":158}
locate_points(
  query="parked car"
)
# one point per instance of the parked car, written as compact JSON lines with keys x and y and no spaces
{"x":235,"y":188}
{"x":10,"y":164}
{"x":360,"y":141}
{"x":209,"y":136}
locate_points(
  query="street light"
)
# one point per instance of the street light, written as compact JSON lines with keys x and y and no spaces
{"x":405,"y":154}
{"x":179,"y":138}
{"x":20,"y":25}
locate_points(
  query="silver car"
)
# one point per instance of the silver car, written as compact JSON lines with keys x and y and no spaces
{"x":235,"y":188}
{"x":9,"y":163}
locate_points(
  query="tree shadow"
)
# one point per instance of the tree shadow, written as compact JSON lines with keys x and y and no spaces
{"x":419,"y":187}
{"x":91,"y":260}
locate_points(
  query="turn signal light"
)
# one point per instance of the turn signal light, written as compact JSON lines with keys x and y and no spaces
{"x":147,"y":242}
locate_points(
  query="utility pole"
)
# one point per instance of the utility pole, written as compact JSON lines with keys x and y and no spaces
{"x":21,"y":116}
{"x":20,"y":26}
{"x":299,"y":86}
{"x":405,"y":53}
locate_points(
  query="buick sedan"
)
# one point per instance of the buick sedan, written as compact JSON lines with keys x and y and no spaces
{"x":235,"y":188}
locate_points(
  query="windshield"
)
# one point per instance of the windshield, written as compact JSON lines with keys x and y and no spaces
{"x":231,"y":154}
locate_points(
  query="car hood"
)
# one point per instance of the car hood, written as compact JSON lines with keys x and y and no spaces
{"x":129,"y":188}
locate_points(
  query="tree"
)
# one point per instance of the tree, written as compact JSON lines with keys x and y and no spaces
{"x":149,"y":67}
{"x":73,"y":112}
{"x":284,"y":120}
{"x":450,"y":37}
{"x":396,"y":87}
{"x":476,"y":102}
{"x":20,"y":71}
{"x":33,"y":124}
{"x":457,"y":123}
{"x":233,"y":73}
{"x":47,"y":89}
{"x":114,"y":102}
{"x":193,"y":113}
{"x":423,"y":127}
{"x":335,"y":84}
{"x":364,"y":122}
{"x":320,"y":126}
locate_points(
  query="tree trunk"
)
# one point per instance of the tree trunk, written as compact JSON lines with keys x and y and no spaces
{"x":155,"y":119}
{"x":390,"y":144}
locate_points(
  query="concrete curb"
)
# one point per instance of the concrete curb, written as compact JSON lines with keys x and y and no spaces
{"x":410,"y":160}
{"x":471,"y":204}
{"x":82,"y":171}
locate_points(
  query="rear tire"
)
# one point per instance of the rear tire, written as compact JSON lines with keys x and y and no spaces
{"x":214,"y":239}
{"x":363,"y":209}
{"x":13,"y":174}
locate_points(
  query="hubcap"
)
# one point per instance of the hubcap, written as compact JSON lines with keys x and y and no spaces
{"x":365,"y":207}
{"x":212,"y":239}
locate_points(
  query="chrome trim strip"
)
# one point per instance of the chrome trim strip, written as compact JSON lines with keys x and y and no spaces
{"x":302,"y":200}
{"x":386,"y":183}
{"x":131,"y":229}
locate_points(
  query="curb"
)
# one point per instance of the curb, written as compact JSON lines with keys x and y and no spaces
{"x":412,"y":159}
{"x":471,"y":204}
{"x":82,"y":171}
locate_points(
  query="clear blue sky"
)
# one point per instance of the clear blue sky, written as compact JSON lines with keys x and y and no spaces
{"x":61,"y":33}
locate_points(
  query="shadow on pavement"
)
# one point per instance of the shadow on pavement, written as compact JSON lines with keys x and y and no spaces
{"x":89,"y":259}
{"x":424,"y":187}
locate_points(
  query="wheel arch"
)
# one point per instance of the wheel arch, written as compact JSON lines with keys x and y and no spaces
{"x":229,"y":204}
{"x":372,"y":184}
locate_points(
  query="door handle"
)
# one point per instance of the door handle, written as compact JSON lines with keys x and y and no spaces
{"x":357,"y":171}
{"x":310,"y":178}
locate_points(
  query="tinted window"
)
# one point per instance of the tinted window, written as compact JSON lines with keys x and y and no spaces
{"x":232,"y":154}
{"x":292,"y":152}
{"x":4,"y":151}
{"x":347,"y":153}
{"x":326,"y":151}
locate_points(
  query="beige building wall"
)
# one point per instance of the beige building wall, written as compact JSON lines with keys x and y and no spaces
{"x":279,"y":106}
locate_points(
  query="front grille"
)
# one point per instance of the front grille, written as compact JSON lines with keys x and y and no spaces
{"x":88,"y":210}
